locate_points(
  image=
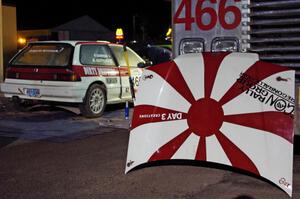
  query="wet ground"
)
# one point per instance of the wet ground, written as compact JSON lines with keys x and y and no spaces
{"x":46,"y":122}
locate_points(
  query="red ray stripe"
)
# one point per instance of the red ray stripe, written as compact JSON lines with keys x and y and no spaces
{"x":144,"y":114}
{"x":201,"y":150}
{"x":169,"y":149}
{"x":277,"y":123}
{"x":236,"y":156}
{"x":170,"y":72}
{"x":259,"y":71}
{"x":212,"y":63}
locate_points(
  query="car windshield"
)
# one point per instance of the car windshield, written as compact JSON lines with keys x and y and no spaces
{"x":44,"y":55}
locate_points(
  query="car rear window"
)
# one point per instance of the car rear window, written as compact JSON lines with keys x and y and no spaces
{"x":45,"y":55}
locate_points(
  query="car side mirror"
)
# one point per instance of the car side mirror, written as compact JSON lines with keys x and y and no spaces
{"x":144,"y":64}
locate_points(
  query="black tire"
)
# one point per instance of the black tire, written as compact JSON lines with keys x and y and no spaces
{"x":21,"y":105}
{"x":94,"y":102}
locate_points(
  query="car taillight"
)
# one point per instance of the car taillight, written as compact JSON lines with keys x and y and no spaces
{"x":66,"y":77}
{"x":40,"y":74}
{"x":224,"y":45}
{"x":191,"y":46}
{"x":10,"y":74}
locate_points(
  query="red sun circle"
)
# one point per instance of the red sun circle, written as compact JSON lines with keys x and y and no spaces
{"x":205,"y":117}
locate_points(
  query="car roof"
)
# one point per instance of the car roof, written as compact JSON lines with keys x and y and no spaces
{"x":73,"y":43}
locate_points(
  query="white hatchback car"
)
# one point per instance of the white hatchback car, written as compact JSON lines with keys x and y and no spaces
{"x":87,"y":74}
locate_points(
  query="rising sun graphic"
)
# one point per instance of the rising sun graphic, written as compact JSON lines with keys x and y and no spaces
{"x":204,"y":118}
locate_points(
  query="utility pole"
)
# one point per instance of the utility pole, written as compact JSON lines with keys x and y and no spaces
{"x":133,"y":27}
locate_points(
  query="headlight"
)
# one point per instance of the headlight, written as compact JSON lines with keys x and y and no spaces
{"x":191,"y":46}
{"x":224,"y":45}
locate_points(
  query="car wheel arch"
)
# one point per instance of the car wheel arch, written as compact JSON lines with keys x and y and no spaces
{"x":93,"y":83}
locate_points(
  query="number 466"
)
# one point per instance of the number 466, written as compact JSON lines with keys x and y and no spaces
{"x":214,"y":16}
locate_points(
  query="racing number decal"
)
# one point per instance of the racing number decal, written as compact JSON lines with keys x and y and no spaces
{"x":136,"y":81}
{"x":214,"y":16}
{"x":223,"y":10}
{"x":200,"y":12}
{"x":187,"y":20}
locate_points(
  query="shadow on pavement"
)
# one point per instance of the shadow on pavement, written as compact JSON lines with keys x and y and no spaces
{"x":109,"y":108}
{"x":243,"y":197}
{"x":207,"y":165}
{"x":6,"y":141}
{"x":297,"y":145}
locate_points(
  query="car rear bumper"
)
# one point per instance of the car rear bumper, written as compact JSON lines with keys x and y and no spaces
{"x":47,"y":91}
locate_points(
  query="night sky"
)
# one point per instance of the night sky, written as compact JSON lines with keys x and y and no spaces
{"x":154,"y":16}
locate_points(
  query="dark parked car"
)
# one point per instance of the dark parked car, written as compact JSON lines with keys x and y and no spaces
{"x":156,"y":53}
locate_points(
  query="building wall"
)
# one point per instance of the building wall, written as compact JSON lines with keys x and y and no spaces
{"x":9,"y":35}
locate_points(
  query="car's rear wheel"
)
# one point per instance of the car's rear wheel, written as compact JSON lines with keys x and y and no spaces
{"x":21,"y":104}
{"x":94,"y":102}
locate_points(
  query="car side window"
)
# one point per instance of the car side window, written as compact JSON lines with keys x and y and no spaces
{"x":119,"y":53}
{"x":97,"y":55}
{"x":133,"y":58}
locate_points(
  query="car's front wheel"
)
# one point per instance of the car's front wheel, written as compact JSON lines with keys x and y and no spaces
{"x":94,"y":102}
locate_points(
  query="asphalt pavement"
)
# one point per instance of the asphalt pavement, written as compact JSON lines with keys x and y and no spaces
{"x":89,"y":162}
{"x":94,"y":167}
